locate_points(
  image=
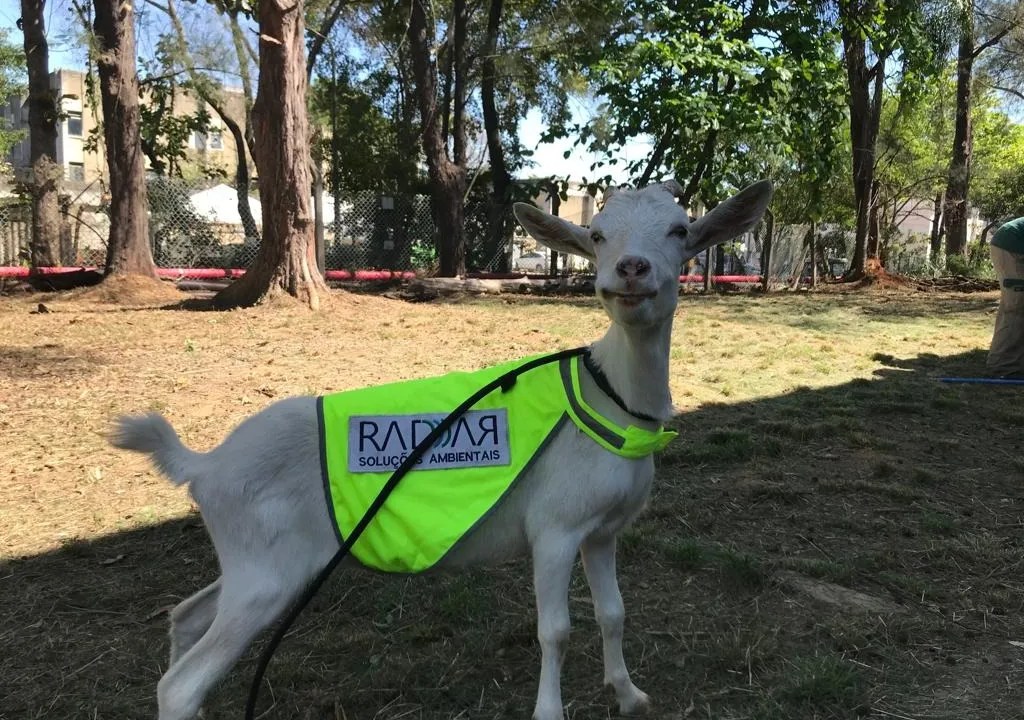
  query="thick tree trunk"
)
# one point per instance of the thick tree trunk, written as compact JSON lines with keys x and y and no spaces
{"x":865,"y":116}
{"x":499,"y":215}
{"x":286,"y":262}
{"x":960,"y":164}
{"x":128,"y":250}
{"x":43,"y":114}
{"x":447,"y":180}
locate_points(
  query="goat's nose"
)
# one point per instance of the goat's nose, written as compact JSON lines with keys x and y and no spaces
{"x":632,"y":266}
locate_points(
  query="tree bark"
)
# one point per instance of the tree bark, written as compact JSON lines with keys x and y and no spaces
{"x":286,"y":261}
{"x":865,"y":116}
{"x":128,"y":249}
{"x":499,"y":220}
{"x":447,"y":180}
{"x":43,"y":115}
{"x":958,"y":183}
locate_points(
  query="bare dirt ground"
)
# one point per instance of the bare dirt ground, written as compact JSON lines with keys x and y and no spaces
{"x":834,"y":535}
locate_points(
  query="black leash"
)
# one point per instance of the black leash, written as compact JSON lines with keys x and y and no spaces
{"x":505,"y":382}
{"x":601,"y":380}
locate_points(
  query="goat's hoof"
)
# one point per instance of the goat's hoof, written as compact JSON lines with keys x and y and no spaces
{"x":546,"y":713}
{"x":636,"y":702}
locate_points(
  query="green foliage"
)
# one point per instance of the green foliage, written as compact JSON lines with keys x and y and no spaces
{"x":422,"y":255}
{"x":359,"y":142}
{"x":755,"y":83}
{"x":12,"y":82}
{"x":165,"y":131}
{"x":975,"y":263}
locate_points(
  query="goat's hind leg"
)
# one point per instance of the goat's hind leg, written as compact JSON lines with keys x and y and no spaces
{"x":191,"y":618}
{"x":244,"y":608}
{"x":599,"y":565}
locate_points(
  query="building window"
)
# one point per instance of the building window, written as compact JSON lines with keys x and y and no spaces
{"x":76,"y":172}
{"x":75,"y":124}
{"x":212,"y":140}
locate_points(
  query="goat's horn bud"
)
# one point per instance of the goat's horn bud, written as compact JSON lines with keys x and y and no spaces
{"x":673,"y":187}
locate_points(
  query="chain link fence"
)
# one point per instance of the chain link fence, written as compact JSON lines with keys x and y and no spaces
{"x":199,"y":224}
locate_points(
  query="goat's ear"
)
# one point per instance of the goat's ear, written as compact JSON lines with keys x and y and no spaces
{"x":730,"y":218}
{"x":558,"y":234}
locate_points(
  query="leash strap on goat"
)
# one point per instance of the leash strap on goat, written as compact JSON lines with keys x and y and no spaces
{"x":505,"y":382}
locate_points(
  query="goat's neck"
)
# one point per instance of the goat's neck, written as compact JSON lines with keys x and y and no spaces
{"x":635,"y":361}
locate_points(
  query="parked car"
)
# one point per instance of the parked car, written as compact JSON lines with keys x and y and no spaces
{"x":532,"y":261}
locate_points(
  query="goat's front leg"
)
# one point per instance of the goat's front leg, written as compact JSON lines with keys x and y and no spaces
{"x":553,"y":558}
{"x":599,"y":564}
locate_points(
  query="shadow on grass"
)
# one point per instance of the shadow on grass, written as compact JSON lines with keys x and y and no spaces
{"x":895,"y":501}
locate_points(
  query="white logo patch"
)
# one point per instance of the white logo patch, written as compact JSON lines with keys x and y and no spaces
{"x":379,"y":443}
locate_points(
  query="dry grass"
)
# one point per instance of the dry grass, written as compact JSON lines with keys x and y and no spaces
{"x":815,"y":445}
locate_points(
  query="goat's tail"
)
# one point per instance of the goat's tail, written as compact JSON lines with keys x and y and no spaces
{"x":152,"y":434}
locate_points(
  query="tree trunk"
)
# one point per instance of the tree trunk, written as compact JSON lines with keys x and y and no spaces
{"x":766,"y":251}
{"x":960,"y":164}
{"x":43,"y":114}
{"x":935,"y":244}
{"x":447,"y":180}
{"x":317,"y":177}
{"x":556,"y":209}
{"x":460,"y":70}
{"x":865,"y":116}
{"x":286,"y":262}
{"x":499,"y":220}
{"x":812,"y":240}
{"x":242,"y":179}
{"x":128,"y":250}
{"x":874,"y":245}
{"x":242,"y":53}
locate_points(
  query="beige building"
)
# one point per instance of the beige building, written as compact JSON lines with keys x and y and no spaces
{"x":205,"y":151}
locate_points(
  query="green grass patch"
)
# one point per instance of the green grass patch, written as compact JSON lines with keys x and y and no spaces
{"x":827,"y":684}
{"x":685,"y":554}
{"x":741,"y":570}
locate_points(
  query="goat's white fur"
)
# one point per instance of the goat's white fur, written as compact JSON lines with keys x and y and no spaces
{"x":261,"y":495}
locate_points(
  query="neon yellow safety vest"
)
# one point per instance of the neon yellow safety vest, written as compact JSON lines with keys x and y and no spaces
{"x":366,"y":434}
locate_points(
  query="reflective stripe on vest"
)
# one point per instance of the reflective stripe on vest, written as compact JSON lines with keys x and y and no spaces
{"x":365,"y":434}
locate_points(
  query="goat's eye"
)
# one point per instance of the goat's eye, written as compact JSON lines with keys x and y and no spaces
{"x":596,"y":237}
{"x":679,"y":231}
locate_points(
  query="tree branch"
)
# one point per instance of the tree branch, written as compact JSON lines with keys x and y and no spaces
{"x":990,"y":42}
{"x":321,"y":34}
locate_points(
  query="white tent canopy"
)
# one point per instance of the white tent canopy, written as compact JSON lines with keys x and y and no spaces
{"x":219,"y":204}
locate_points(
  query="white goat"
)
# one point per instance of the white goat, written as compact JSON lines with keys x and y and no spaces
{"x":261,"y":494}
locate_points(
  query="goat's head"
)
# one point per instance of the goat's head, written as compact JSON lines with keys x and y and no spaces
{"x":640,"y":240}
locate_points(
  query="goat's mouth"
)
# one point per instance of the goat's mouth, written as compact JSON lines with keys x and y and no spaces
{"x":629,"y":299}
